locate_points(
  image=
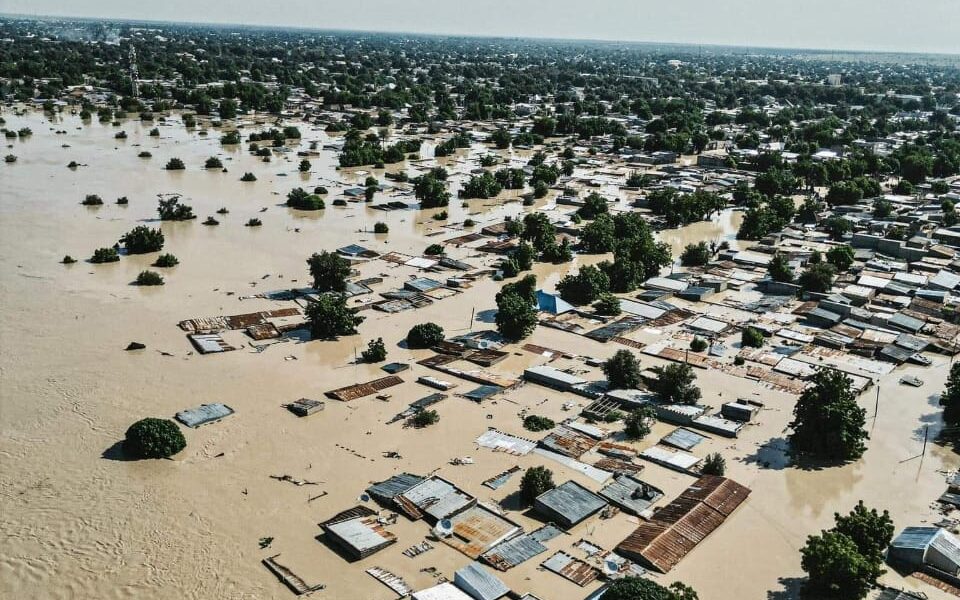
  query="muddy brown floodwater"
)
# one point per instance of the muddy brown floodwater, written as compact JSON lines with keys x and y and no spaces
{"x":78,"y":521}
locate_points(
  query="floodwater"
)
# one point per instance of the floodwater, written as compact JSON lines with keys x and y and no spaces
{"x":78,"y":521}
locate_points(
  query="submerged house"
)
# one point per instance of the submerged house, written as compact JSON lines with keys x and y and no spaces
{"x":929,"y":549}
{"x":358,"y":532}
{"x":568,"y":504}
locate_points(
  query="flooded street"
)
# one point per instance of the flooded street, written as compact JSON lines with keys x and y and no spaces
{"x":81,"y":522}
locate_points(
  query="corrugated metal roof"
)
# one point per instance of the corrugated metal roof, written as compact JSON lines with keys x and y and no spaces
{"x":594,"y":473}
{"x":571,"y":568}
{"x":679,"y":526}
{"x":683,"y":438}
{"x":915,"y":538}
{"x":568,"y":442}
{"x":437,"y":497}
{"x":504,"y":442}
{"x":631,"y":494}
{"x":479,"y":583}
{"x":948,"y":546}
{"x":444,"y":591}
{"x":520,"y":549}
{"x":363,"y":534}
{"x":203,"y":414}
{"x":396,"y":485}
{"x":479,"y":529}
{"x":570,"y":501}
{"x":359,"y":390}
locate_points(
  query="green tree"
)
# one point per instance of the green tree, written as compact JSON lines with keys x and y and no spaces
{"x":329,"y":271}
{"x":175,"y":164}
{"x":300,"y":199}
{"x":779,"y":269}
{"x":608,"y":305}
{"x":425,"y":418}
{"x":622,"y":370}
{"x":751,"y":337}
{"x":536,"y":480}
{"x":827,"y":422}
{"x":599,"y":236}
{"x":836,"y":570}
{"x":714,"y":464}
{"x":675,"y":384}
{"x":538,"y":423}
{"x":698,"y":344}
{"x":330,"y":318}
{"x":142,"y":239}
{"x":593,"y":206}
{"x":950,"y":397}
{"x":695,"y":255}
{"x":213,"y":163}
{"x":149,"y":278}
{"x":105,"y":255}
{"x":376,"y":351}
{"x":516,"y":316}
{"x":424,"y":335}
{"x":869,"y":529}
{"x":637,"y":424}
{"x":817,"y":278}
{"x":584,"y":287}
{"x":166,"y":261}
{"x":841,"y":257}
{"x":304,"y":166}
{"x":640,"y":588}
{"x":153,"y":438}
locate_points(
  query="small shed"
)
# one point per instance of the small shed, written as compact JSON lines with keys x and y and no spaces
{"x":927,"y":548}
{"x":358,"y":533}
{"x":203,"y":414}
{"x":568,"y":504}
{"x":305,"y":407}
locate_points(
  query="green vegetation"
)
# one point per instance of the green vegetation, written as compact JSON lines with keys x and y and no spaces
{"x":751,"y":337}
{"x":536,"y":480}
{"x":637,"y":425}
{"x":166,"y":261}
{"x":301,"y":200}
{"x":484,"y":185}
{"x":175,"y":164}
{"x":516,"y":316}
{"x":153,"y":438}
{"x":640,"y":588}
{"x":779,"y":269}
{"x":171,"y":209}
{"x":950,"y":397}
{"x":817,"y":278}
{"x":538,"y":423}
{"x":841,"y":257}
{"x":698,"y":344}
{"x":330,"y":318}
{"x":213,"y":163}
{"x":434,"y":250}
{"x":675,"y":384}
{"x":714,"y":464}
{"x":424,"y":418}
{"x":92,"y":200}
{"x":376,"y":351}
{"x":253,"y":222}
{"x":585,"y":287}
{"x":248,"y":176}
{"x":607,"y":305}
{"x":149,"y":278}
{"x":696,"y":255}
{"x":380,"y":227}
{"x":827,"y":422}
{"x":424,"y":335}
{"x":329,"y":271}
{"x":105,"y":255}
{"x":142,"y":239}
{"x":622,"y":370}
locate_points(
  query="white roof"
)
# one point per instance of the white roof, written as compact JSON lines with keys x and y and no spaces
{"x":678,"y":459}
{"x":444,"y":591}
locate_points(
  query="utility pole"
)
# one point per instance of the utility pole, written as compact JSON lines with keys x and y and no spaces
{"x":473,"y":314}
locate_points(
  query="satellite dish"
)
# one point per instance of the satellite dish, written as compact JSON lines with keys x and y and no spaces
{"x":364,"y":498}
{"x":443,"y":528}
{"x":611,"y":566}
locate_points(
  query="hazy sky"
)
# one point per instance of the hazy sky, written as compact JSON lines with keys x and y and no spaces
{"x":894,"y":25}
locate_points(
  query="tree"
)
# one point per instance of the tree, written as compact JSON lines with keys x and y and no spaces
{"x":837,"y":227}
{"x":950,"y":397}
{"x":153,"y":438}
{"x":827,"y":422}
{"x":622,"y":370}
{"x":841,"y":257}
{"x":329,"y":271}
{"x":714,"y":464}
{"x":175,"y":164}
{"x":330,"y":317}
{"x":248,"y":176}
{"x":641,"y":588}
{"x":213,"y":163}
{"x":538,"y":423}
{"x":536,"y":480}
{"x":381,"y":227}
{"x":299,"y":199}
{"x":424,"y":418}
{"x":170,"y":209}
{"x":105,"y":255}
{"x":779,"y":269}
{"x":166,"y":261}
{"x":869,"y":529}
{"x":599,"y":236}
{"x":751,"y":337}
{"x":424,"y":335}
{"x":516,"y":316}
{"x":608,"y":305}
{"x":695,"y":255}
{"x":593,"y":206}
{"x":675,"y":384}
{"x":637,"y":423}
{"x":835,"y":568}
{"x":376,"y":351}
{"x":142,"y":239}
{"x":538,"y":230}
{"x":304,"y":166}
{"x":882,"y":209}
{"x":149,"y":278}
{"x":584,"y":287}
{"x":431,"y":192}
{"x":817,"y":278}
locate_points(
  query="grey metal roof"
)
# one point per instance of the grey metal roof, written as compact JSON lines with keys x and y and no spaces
{"x":205,"y":413}
{"x":482,"y":393}
{"x":571,"y":501}
{"x":948,"y":546}
{"x":903,"y":321}
{"x":359,"y":534}
{"x":438,"y":497}
{"x":683,"y":438}
{"x":631,"y":494}
{"x":479,"y":582}
{"x":520,"y":549}
{"x":394,"y":486}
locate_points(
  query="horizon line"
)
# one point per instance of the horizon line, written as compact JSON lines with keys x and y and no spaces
{"x":39,"y":17}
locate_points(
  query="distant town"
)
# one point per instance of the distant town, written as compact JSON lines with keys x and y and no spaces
{"x":355,"y":315}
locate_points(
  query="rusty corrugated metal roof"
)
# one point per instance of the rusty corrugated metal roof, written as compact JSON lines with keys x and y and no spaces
{"x":359,"y":390}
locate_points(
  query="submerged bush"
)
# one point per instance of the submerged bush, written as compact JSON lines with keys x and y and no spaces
{"x":142,"y":239}
{"x":175,"y":164}
{"x":92,"y":200}
{"x":105,"y":255}
{"x":248,"y":176}
{"x":538,"y":423}
{"x":154,"y":438}
{"x":166,"y":260}
{"x":380,"y":227}
{"x":424,"y":335}
{"x":149,"y":278}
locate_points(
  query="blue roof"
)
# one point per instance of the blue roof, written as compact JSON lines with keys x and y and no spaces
{"x":552,"y":303}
